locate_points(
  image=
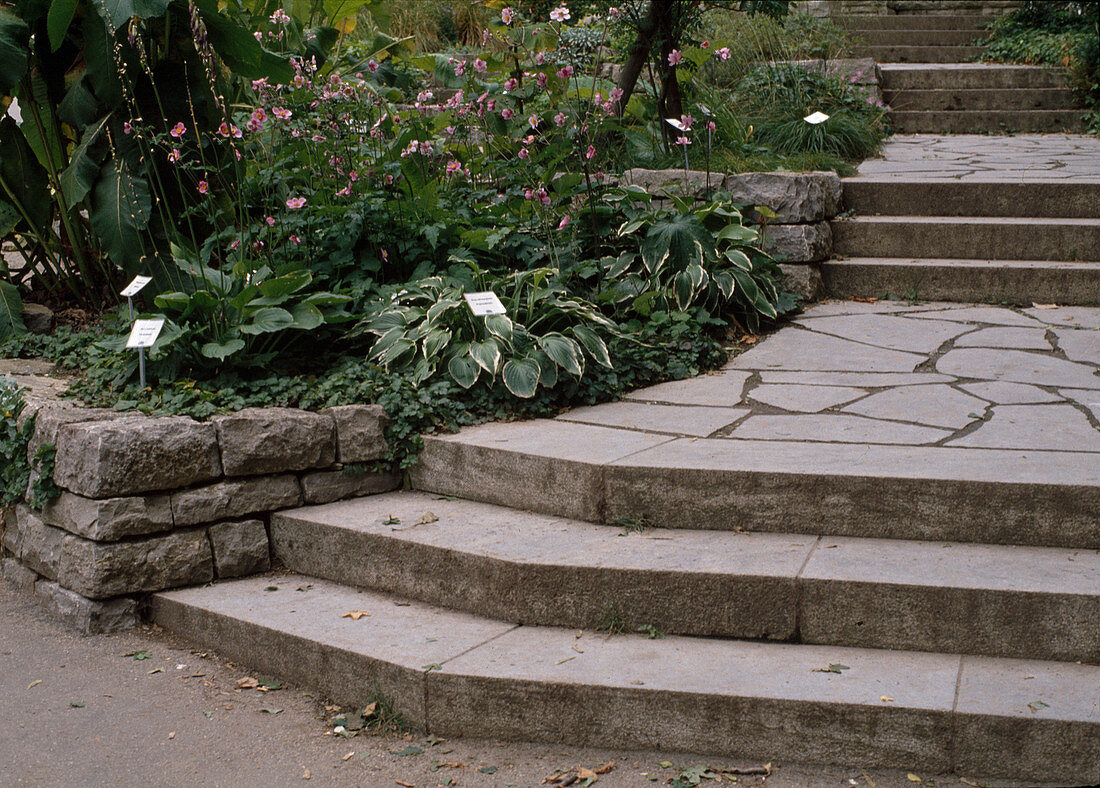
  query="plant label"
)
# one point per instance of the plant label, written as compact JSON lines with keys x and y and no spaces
{"x":817,"y":117}
{"x":145,"y":332}
{"x":482,"y":304}
{"x":135,"y":286}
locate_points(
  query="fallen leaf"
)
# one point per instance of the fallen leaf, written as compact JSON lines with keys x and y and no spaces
{"x":272,"y":711}
{"x":412,"y":749}
{"x":1044,"y":306}
{"x":867,"y":777}
{"x":247,"y":683}
{"x":407,"y":785}
{"x":834,"y":667}
{"x":970,"y":782}
{"x":886,"y":699}
{"x":76,"y":704}
{"x":1035,"y":705}
{"x":578,"y":650}
{"x":172,"y":735}
{"x":368,"y":710}
{"x":605,"y":768}
{"x":433,"y":666}
{"x":452,"y":765}
{"x":155,"y":670}
{"x":332,"y":708}
{"x":586,"y":774}
{"x":749,"y":339}
{"x":391,"y":520}
{"x":488,"y":770}
{"x":138,"y":655}
{"x":912,"y":778}
{"x":34,"y":683}
{"x":560,"y":661}
{"x":665,"y":764}
{"x":864,"y":300}
{"x":355,"y":615}
{"x":273,"y":588}
{"x":305,"y":773}
{"x":348,"y":756}
{"x":427,"y":517}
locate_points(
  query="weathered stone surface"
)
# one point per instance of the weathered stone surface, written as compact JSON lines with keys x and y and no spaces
{"x":804,"y":398}
{"x":240,"y":548}
{"x":993,"y":315}
{"x":329,"y":486}
{"x":17,"y":574}
{"x":360,"y":432}
{"x":109,"y":519}
{"x":234,"y":498}
{"x":274,"y":440}
{"x":798,"y":197}
{"x":699,"y":421}
{"x":1006,"y":337}
{"x":1070,"y":316}
{"x":802,"y":280}
{"x":1010,"y":393}
{"x":37,"y":318}
{"x":87,"y":616}
{"x":1079,"y":345}
{"x":799,"y":243}
{"x":836,"y":428}
{"x":692,"y":183}
{"x":798,"y":349}
{"x":99,"y":570}
{"x":10,"y":537}
{"x":723,"y":390}
{"x":1089,"y":398}
{"x":51,"y":415}
{"x":937,"y":404}
{"x":1057,"y":426}
{"x":129,"y":456}
{"x":40,"y":546}
{"x":1018,"y":366}
{"x":896,"y":332}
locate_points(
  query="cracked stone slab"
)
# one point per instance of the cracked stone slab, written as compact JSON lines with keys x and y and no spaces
{"x":1071,"y":316}
{"x":1015,"y":337}
{"x":998,"y":316}
{"x":699,"y":421}
{"x":1004,"y":393}
{"x":887,"y":331}
{"x":1089,"y":398}
{"x":835,"y":429}
{"x":803,"y":398}
{"x":863,"y":379}
{"x":1079,"y":344}
{"x":799,"y":349}
{"x":937,"y":405}
{"x":722,"y":390}
{"x":1018,"y":366}
{"x":1058,"y":426}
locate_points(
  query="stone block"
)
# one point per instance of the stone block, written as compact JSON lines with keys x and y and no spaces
{"x":799,"y":243}
{"x":328,"y":486}
{"x":40,"y":546}
{"x":50,"y":415}
{"x":10,"y":538}
{"x":99,"y":570}
{"x":274,"y":440}
{"x":798,"y":197}
{"x":18,"y":575}
{"x":803,"y":280}
{"x":38,"y":318}
{"x":109,"y":519}
{"x":240,"y":548}
{"x":360,"y":432}
{"x":88,"y":616}
{"x":129,"y":456}
{"x":234,"y":498}
{"x":692,"y":182}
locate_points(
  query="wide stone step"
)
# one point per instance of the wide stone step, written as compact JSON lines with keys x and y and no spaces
{"x":987,"y":121}
{"x":532,"y":569}
{"x":989,"y":281}
{"x":1004,"y":99}
{"x":916,"y":196}
{"x":911,"y":22}
{"x":890,"y":53}
{"x":600,"y":474}
{"x":967,"y":76}
{"x":971,"y":237}
{"x":454,"y":674}
{"x":921,"y":38}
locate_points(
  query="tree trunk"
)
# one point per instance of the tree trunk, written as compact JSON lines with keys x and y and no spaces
{"x":639,"y":53}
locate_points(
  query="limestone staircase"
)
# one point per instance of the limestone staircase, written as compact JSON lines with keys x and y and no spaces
{"x":785,"y":611}
{"x":1001,"y":240}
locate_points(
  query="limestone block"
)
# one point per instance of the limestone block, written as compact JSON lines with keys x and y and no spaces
{"x":51,"y":415}
{"x":240,"y":548}
{"x":803,"y":280}
{"x":359,"y":432}
{"x":37,"y":318}
{"x":273,"y":440}
{"x":235,"y":498}
{"x":328,"y":486}
{"x":800,"y":243}
{"x":692,"y":183}
{"x":99,"y":570}
{"x":109,"y":519}
{"x":40,"y":546}
{"x":88,"y":616}
{"x":10,"y":538}
{"x":128,"y":456}
{"x":18,"y":575}
{"x":798,"y":197}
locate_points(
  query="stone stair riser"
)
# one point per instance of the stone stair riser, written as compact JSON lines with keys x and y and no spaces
{"x":917,"y":54}
{"x":1005,"y":100}
{"x":911,"y":22}
{"x":897,"y":78}
{"x":1043,"y":121}
{"x":943,"y":197}
{"x":1069,"y":240}
{"x":920,"y":38}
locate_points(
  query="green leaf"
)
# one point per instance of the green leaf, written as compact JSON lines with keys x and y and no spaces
{"x":222,"y":350}
{"x":120,"y":211}
{"x":564,"y":352}
{"x":306,"y":317}
{"x":58,"y":21}
{"x":14,"y":50}
{"x":737,"y":232}
{"x":11,"y":311}
{"x":464,"y":370}
{"x":521,"y":376}
{"x":683,"y":290}
{"x":237,"y":48}
{"x":548,"y":370}
{"x":594,"y":344}
{"x":176,"y":302}
{"x":268,"y":320}
{"x":23,"y":174}
{"x":486,"y":354}
{"x":286,"y":284}
{"x":435,"y":341}
{"x":9,"y":218}
{"x":78,"y":178}
{"x":326,"y":299}
{"x":117,"y":13}
{"x":500,"y":326}
{"x":738,"y":258}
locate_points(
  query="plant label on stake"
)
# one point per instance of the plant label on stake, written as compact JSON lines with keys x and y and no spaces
{"x":135,"y":286}
{"x":816,"y":118}
{"x":482,"y":304}
{"x":143,"y":335}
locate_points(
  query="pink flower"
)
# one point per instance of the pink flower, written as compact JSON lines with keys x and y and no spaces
{"x":389,"y":180}
{"x":511,"y":84}
{"x":280,"y":17}
{"x":565,"y":72}
{"x":560,"y":14}
{"x":541,"y":79}
{"x":705,"y":45}
{"x":294,"y":239}
{"x":564,"y":222}
{"x":453,"y":166}
{"x":533,"y":121}
{"x":540,"y":58}
{"x":372,"y":66}
{"x":204,"y":187}
{"x":270,"y":221}
{"x":223,"y":129}
{"x":711,"y":126}
{"x":675,"y":57}
{"x":294,"y":203}
{"x":614,"y":12}
{"x":686,"y":121}
{"x":282,"y":113}
{"x":507,"y":113}
{"x":616,"y":94}
{"x":683,"y":141}
{"x":127,"y":128}
{"x":258,"y":36}
{"x":507,"y":16}
{"x":236,"y":243}
{"x":559,"y":119}
{"x":591,"y":154}
{"x":523,"y":154}
{"x":480,"y":66}
{"x":460,"y":68}
{"x":174,"y":156}
{"x":178,"y":130}
{"x":345,"y":191}
{"x":723,"y":53}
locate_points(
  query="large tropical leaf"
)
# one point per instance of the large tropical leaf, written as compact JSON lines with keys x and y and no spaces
{"x":679,"y":238}
{"x":268,"y":320}
{"x":238,"y":49}
{"x":120,"y":211}
{"x":117,"y":13}
{"x":78,"y":178}
{"x":9,"y":218}
{"x":23,"y":175}
{"x":11,"y":311}
{"x":222,"y":350}
{"x":58,"y":20}
{"x":14,"y":53}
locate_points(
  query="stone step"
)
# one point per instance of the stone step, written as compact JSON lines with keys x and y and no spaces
{"x":912,"y":22}
{"x":967,"y":76}
{"x":987,"y":121}
{"x":932,"y":493}
{"x":916,"y":196}
{"x":971,"y":237}
{"x":987,"y":281}
{"x":917,"y":54}
{"x":453,"y":674}
{"x":921,"y":38}
{"x":517,"y":566}
{"x":1004,"y":99}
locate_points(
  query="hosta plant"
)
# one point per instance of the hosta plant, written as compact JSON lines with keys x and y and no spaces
{"x":427,"y":328}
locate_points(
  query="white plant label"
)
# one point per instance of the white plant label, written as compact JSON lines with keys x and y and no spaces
{"x":486,"y":303}
{"x":676,"y":124}
{"x":135,"y":286}
{"x":817,"y":117}
{"x":145,"y":332}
